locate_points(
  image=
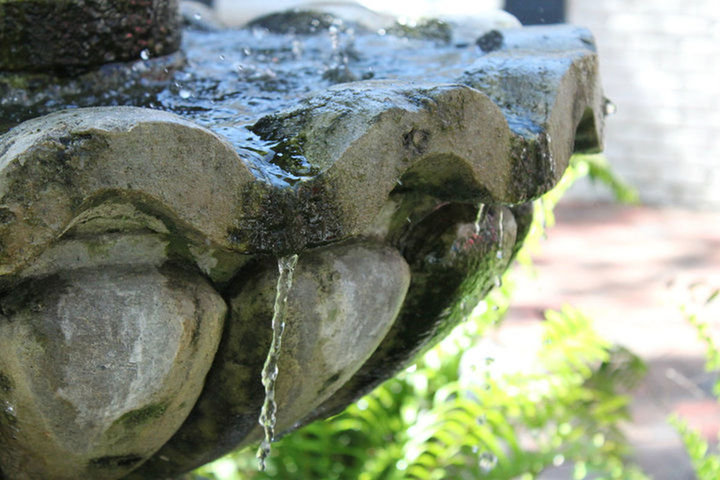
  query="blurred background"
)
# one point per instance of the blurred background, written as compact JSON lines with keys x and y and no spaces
{"x":645,"y":271}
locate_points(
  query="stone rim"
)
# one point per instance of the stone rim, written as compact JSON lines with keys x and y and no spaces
{"x":367,"y":140}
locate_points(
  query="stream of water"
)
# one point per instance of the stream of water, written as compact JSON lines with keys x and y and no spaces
{"x":499,"y":253}
{"x":268,"y":414}
{"x":482,"y":210}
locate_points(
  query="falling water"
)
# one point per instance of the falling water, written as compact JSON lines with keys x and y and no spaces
{"x":499,"y":253}
{"x":480,"y":217}
{"x":286,"y":266}
{"x":544,"y":213}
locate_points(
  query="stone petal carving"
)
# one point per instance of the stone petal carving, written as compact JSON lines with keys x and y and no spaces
{"x":100,"y":368}
{"x":65,"y":169}
{"x":342,"y":303}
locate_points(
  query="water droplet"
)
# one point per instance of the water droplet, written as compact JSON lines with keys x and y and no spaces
{"x":145,"y":54}
{"x":197,"y":16}
{"x":184,"y":93}
{"x":498,"y":281}
{"x":297,"y":48}
{"x":221,"y":58}
{"x":609,"y":108}
{"x":268,"y":414}
{"x":487,"y":462}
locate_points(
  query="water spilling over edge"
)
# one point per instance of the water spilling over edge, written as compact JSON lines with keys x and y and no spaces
{"x":268,"y":414}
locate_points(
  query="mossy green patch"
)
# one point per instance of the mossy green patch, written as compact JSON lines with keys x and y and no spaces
{"x":430,"y":29}
{"x":6,"y":385}
{"x":116,"y":461}
{"x":7,"y":415}
{"x":143,"y":415}
{"x":329,"y":382}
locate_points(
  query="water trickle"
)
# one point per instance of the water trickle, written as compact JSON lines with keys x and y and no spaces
{"x":609,"y":108}
{"x":482,"y":210}
{"x":268,"y":414}
{"x":499,"y":253}
{"x":487,"y":462}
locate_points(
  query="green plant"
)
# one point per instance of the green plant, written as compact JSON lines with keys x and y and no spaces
{"x":453,"y":415}
{"x":705,"y":461}
{"x":461,"y":413}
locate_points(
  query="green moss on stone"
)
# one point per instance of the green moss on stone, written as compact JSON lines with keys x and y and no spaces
{"x":299,"y":22}
{"x":114,"y":462}
{"x":143,"y":415}
{"x":430,"y":29}
{"x":6,"y":385}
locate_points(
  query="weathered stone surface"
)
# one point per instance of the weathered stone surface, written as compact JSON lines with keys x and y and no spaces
{"x":343,"y":301}
{"x":28,"y":95}
{"x":301,"y":22}
{"x":100,"y":368}
{"x":67,"y":35}
{"x":57,"y":170}
{"x":454,"y":262}
{"x":503,"y":132}
{"x":545,"y":80}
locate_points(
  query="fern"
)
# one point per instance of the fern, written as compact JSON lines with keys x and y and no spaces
{"x":705,"y":462}
{"x":479,"y":425}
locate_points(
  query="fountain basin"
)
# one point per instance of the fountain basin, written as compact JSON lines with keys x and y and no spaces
{"x":405,"y":195}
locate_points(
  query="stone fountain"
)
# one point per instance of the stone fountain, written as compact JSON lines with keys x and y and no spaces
{"x":149,"y":191}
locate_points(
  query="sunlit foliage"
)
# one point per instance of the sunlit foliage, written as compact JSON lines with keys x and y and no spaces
{"x":705,"y":460}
